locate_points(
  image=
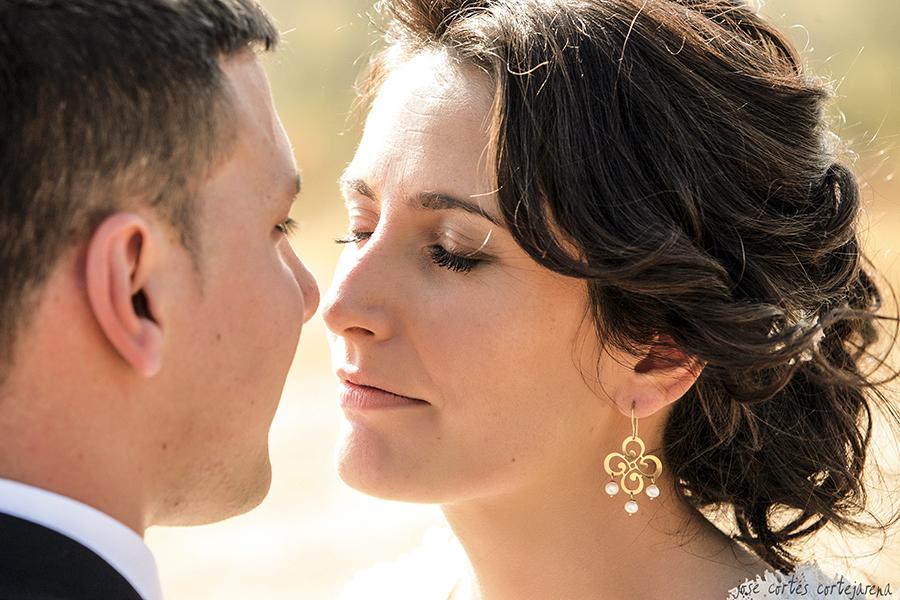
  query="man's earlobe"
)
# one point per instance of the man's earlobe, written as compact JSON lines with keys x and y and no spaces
{"x":121,"y":260}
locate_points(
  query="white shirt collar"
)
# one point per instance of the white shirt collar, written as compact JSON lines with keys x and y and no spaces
{"x":112,"y":541}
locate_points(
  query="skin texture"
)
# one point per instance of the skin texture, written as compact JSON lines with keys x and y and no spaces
{"x":162,"y":416}
{"x":522,"y":401}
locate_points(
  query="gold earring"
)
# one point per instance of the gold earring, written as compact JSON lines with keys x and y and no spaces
{"x":632,"y":466}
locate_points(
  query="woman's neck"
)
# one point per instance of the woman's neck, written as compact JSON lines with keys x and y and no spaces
{"x":568,"y":539}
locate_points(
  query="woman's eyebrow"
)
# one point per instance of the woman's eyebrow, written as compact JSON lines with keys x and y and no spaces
{"x":427,"y":200}
{"x":356,"y":185}
{"x":437,"y":201}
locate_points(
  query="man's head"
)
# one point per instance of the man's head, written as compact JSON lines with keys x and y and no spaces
{"x":150,"y":302}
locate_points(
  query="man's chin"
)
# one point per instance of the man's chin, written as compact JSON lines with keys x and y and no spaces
{"x":226,"y":500}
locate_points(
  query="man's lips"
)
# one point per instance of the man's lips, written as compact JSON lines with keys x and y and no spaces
{"x":364,"y":397}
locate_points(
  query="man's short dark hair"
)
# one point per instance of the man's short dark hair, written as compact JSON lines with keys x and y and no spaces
{"x":105,"y":104}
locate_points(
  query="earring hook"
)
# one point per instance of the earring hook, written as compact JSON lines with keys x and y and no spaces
{"x":634,"y":423}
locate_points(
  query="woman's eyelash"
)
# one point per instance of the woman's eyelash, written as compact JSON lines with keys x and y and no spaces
{"x":288,"y":227}
{"x":461,"y":264}
{"x":354,"y":237}
{"x":439,"y":255}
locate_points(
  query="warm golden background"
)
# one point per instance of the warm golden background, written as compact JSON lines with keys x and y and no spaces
{"x":312,"y":532}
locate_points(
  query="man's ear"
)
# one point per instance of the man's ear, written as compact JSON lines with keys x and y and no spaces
{"x":657,"y":378}
{"x":122,"y":256}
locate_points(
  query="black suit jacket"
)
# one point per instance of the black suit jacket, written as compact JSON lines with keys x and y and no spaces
{"x":37,"y":563}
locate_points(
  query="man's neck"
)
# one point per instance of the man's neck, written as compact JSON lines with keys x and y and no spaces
{"x":89,"y":465}
{"x":98,"y":498}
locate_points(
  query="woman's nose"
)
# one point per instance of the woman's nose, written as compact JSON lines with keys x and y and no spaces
{"x":358,"y":303}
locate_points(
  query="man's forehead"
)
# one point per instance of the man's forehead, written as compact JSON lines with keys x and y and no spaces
{"x":249,"y":93}
{"x":260,"y":134}
{"x":258,"y":167}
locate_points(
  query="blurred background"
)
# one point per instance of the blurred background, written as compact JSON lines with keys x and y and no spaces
{"x":312,"y":533}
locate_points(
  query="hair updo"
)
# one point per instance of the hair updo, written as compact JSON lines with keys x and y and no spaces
{"x":675,"y":156}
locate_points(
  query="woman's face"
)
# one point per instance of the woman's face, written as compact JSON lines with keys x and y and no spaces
{"x":434,"y":301}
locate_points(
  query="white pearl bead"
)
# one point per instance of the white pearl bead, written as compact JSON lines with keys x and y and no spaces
{"x":652,"y":491}
{"x":631,"y":507}
{"x":612,"y":488}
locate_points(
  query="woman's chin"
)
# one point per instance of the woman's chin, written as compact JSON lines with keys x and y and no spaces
{"x":368,"y":464}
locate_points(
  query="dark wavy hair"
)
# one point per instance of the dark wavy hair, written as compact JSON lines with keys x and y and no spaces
{"x":675,"y":155}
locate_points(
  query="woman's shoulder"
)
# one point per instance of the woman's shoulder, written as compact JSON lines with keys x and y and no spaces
{"x":436,"y":566}
{"x":430,"y":572}
{"x":806,"y":581}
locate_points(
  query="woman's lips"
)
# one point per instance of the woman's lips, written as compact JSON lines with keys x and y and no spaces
{"x":364,"y":397}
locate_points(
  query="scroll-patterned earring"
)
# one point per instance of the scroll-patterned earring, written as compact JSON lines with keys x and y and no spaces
{"x":632,"y":465}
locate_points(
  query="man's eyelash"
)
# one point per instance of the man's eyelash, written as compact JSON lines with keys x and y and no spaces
{"x":288,"y":227}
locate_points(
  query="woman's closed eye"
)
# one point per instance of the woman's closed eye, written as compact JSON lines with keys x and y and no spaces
{"x":440,"y":256}
{"x":455,"y":262}
{"x":354,"y":237}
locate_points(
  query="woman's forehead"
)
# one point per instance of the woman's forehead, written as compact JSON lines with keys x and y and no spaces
{"x":430,"y":123}
{"x":435,"y":81}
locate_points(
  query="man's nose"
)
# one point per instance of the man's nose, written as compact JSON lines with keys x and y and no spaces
{"x":310,"y":290}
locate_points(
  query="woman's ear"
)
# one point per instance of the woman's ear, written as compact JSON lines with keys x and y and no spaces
{"x":657,"y":378}
{"x":121,"y":260}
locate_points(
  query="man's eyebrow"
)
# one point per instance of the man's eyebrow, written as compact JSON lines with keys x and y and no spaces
{"x":427,"y":200}
{"x":292,"y":186}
